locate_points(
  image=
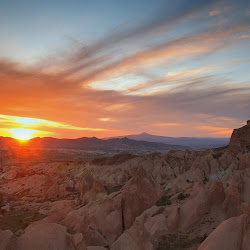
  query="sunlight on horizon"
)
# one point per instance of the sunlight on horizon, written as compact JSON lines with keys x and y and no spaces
{"x":23,"y":133}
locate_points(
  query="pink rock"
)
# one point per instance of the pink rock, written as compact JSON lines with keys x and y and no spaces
{"x":232,"y":203}
{"x":147,"y":214}
{"x":246,"y":186}
{"x":78,"y":242}
{"x":5,"y":239}
{"x":156,"y":226}
{"x":173,"y":220}
{"x":96,"y":248}
{"x":139,"y":194}
{"x":240,"y":137}
{"x":90,"y":189}
{"x":47,"y":236}
{"x":96,"y":192}
{"x":194,"y":209}
{"x":246,"y":239}
{"x":100,"y":222}
{"x":56,"y":191}
{"x":84,"y":183}
{"x":227,"y":235}
{"x":135,"y":238}
{"x":245,"y":225}
{"x":216,"y":193}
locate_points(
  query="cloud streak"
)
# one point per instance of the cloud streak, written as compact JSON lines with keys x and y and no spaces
{"x":86,"y":90}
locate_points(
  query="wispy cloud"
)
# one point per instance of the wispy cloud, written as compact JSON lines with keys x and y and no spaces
{"x":37,"y":127}
{"x":166,"y":124}
{"x":214,"y":12}
{"x":176,"y":74}
{"x":216,"y":130}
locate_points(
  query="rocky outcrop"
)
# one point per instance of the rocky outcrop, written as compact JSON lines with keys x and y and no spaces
{"x":90,"y":189}
{"x":5,"y":239}
{"x":173,"y":218}
{"x":103,"y":221}
{"x":232,"y":204}
{"x":157,"y":227}
{"x":240,"y":137}
{"x":135,"y":238}
{"x":194,"y":209}
{"x":139,"y":194}
{"x":100,"y":222}
{"x":232,"y":234}
{"x":216,"y":193}
{"x":44,"y":236}
{"x":226,"y":236}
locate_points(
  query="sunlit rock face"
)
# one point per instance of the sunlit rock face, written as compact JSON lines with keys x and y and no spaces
{"x":241,"y":137}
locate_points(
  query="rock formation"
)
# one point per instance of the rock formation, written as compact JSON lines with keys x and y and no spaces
{"x":178,"y":200}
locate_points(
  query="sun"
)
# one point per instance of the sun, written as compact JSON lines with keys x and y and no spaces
{"x":22,"y":134}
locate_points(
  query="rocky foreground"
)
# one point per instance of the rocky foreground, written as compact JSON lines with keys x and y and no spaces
{"x":179,"y":200}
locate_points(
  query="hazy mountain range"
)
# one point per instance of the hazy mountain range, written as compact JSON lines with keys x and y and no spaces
{"x":143,"y":141}
{"x":93,"y":143}
{"x":193,"y":142}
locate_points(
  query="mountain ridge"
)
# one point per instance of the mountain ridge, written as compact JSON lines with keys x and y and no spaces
{"x":91,"y":143}
{"x":194,"y":142}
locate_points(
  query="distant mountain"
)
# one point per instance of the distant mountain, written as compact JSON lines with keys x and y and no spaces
{"x":193,"y":142}
{"x":91,"y":144}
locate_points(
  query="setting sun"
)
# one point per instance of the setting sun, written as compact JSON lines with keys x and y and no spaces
{"x":22,"y":133}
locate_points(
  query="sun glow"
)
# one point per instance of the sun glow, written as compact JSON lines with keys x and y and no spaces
{"x":22,"y":134}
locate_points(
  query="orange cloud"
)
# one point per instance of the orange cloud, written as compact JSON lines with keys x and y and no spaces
{"x":214,"y":12}
{"x":196,"y":45}
{"x":166,"y":124}
{"x":24,"y":127}
{"x":187,"y":73}
{"x":216,"y":130}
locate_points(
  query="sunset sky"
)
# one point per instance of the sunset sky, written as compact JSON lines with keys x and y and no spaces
{"x":99,"y":68}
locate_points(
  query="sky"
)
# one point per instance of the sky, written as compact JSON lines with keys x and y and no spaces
{"x":70,"y":69}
